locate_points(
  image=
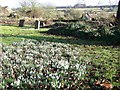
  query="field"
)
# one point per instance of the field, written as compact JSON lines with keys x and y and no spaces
{"x":101,"y":61}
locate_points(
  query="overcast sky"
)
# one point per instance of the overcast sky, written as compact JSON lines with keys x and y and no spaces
{"x":15,"y":3}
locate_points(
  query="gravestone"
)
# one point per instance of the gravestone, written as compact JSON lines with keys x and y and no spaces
{"x":41,"y":23}
{"x":37,"y":24}
{"x":21,"y":23}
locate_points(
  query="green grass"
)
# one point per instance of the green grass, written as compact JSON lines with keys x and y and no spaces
{"x":10,"y":34}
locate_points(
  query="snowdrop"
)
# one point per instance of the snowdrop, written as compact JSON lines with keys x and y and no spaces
{"x":17,"y":82}
{"x":37,"y":60}
{"x":64,"y":64}
{"x":19,"y":50}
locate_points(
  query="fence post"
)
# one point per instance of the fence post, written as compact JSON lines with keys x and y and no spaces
{"x":21,"y":23}
{"x":37,"y":24}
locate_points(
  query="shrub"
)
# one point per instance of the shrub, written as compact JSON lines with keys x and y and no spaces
{"x":83,"y":31}
{"x":72,"y":14}
{"x":76,"y":29}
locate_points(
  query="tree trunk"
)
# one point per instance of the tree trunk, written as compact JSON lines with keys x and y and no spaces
{"x":118,"y":13}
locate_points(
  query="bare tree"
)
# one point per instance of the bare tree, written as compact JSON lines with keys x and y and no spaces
{"x":31,"y":8}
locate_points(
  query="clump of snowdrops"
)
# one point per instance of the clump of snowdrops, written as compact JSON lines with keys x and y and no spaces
{"x":41,"y":65}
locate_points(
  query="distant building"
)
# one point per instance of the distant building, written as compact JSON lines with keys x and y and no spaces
{"x":63,"y":8}
{"x":79,"y":6}
{"x":5,"y":11}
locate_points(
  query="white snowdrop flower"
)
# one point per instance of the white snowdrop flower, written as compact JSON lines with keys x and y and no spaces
{"x":84,"y":67}
{"x":65,"y":64}
{"x":19,"y":50}
{"x":36,"y":61}
{"x":17,"y":82}
{"x":19,"y":77}
{"x":31,"y":58}
{"x":39,"y":77}
{"x":23,"y":62}
{"x":50,"y":75}
{"x":30,"y":82}
{"x":22,"y":70}
{"x":0,"y":73}
{"x":77,"y":66}
{"x":41,"y":74}
{"x":25,"y":46}
{"x":57,"y":77}
{"x":53,"y":84}
{"x":26,"y":65}
{"x":37,"y":65}
{"x":74,"y":57}
{"x":12,"y":84}
{"x":5,"y":57}
{"x":41,"y":67}
{"x":31,"y":72}
{"x":61,"y":62}
{"x":27,"y":57}
{"x":35,"y":52}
